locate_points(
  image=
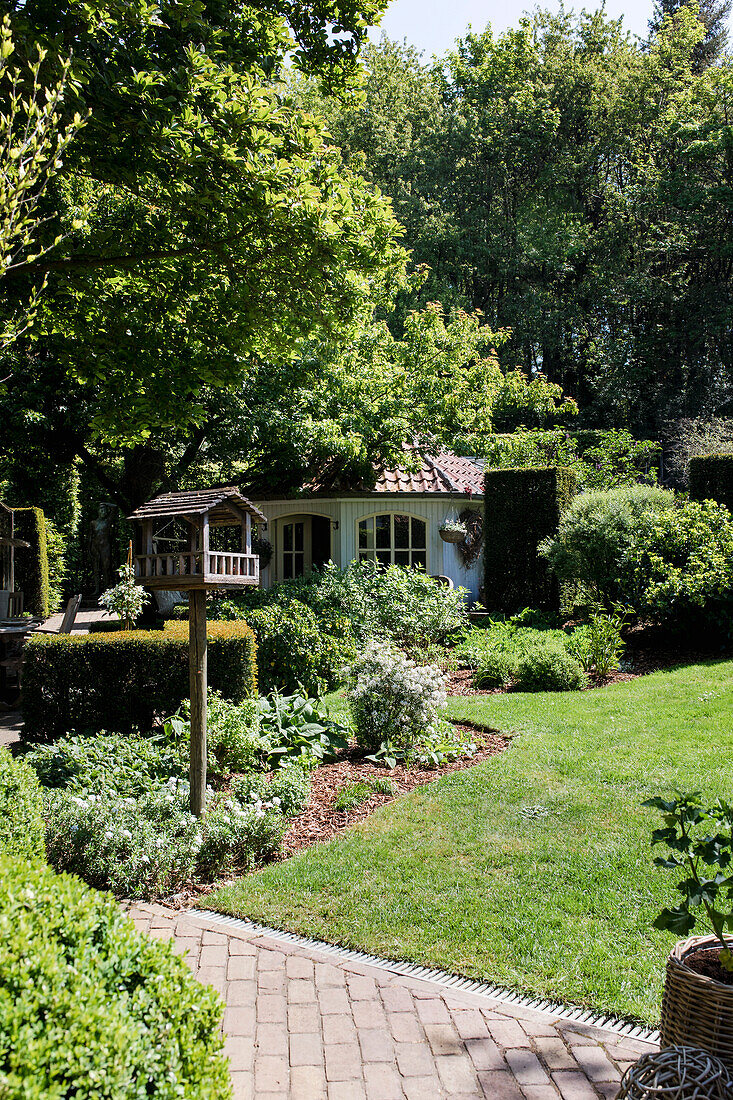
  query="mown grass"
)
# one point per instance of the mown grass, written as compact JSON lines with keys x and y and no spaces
{"x":533,"y":869}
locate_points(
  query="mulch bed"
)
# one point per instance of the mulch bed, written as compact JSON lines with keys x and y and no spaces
{"x":320,"y":821}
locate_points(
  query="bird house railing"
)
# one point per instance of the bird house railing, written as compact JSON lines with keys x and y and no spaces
{"x":204,"y":566}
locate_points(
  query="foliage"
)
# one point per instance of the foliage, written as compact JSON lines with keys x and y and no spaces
{"x":713,"y":16}
{"x":548,"y":668}
{"x":598,"y":646}
{"x":594,"y":534}
{"x":403,"y":605}
{"x":599,"y":459}
{"x":288,"y":788}
{"x":56,"y":554}
{"x":88,"y":1007}
{"x":125,"y":680}
{"x":522,"y":507}
{"x":565,"y":179}
{"x":235,"y":740}
{"x":121,"y":764}
{"x":151,"y":846}
{"x":127,"y":599}
{"x":394,"y":701}
{"x":353,"y":794}
{"x":33,"y":140}
{"x":700,"y":842}
{"x":508,"y":655}
{"x":695,"y":437}
{"x":711,"y":478}
{"x":21,"y":810}
{"x":678,"y":568}
{"x":297,"y":727}
{"x":31,"y":566}
{"x":296,"y":647}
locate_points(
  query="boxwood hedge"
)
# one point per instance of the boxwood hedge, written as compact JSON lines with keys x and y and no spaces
{"x":21,"y":810}
{"x":91,"y":1009}
{"x":126,"y":679}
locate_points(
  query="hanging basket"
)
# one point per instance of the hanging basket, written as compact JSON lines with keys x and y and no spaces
{"x":452,"y":532}
{"x":697,"y":1011}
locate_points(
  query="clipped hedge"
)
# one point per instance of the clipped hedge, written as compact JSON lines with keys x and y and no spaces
{"x":31,"y":566}
{"x":89,"y":1008}
{"x":128,"y":679}
{"x":22,"y":828}
{"x":711,"y":478}
{"x":522,"y":507}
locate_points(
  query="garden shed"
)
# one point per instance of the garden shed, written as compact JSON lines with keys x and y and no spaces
{"x":397,"y":521}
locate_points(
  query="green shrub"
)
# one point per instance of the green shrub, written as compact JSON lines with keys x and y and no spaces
{"x":125,"y":680}
{"x":495,"y":670}
{"x":711,"y":478}
{"x":91,"y":1009}
{"x":151,"y":846}
{"x":403,"y":605}
{"x":548,"y":668}
{"x":594,"y":534}
{"x":235,"y":741}
{"x":678,"y":567}
{"x":523,"y":507}
{"x":31,"y":566}
{"x":295,"y":650}
{"x":21,"y":810}
{"x":599,"y":458}
{"x":125,"y":764}
{"x":598,"y":645}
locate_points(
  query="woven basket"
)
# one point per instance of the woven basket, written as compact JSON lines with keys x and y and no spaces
{"x":697,"y":1011}
{"x":451,"y":536}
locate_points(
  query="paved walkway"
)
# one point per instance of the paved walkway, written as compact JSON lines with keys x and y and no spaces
{"x":305,"y":1025}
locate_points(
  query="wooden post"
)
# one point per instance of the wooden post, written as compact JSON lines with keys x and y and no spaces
{"x":197,"y":672}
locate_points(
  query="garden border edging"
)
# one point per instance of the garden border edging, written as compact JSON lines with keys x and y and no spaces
{"x":442,"y":978}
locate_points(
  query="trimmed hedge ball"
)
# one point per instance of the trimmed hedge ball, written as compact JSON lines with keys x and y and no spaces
{"x":89,"y":1008}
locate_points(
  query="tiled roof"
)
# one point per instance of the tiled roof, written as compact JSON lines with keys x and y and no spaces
{"x":441,"y":473}
{"x":195,"y":503}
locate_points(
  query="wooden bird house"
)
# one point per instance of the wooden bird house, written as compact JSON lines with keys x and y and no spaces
{"x":175,"y":544}
{"x":176,"y":550}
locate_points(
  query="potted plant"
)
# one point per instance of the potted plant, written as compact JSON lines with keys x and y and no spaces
{"x":697,"y":1005}
{"x":452,"y":530}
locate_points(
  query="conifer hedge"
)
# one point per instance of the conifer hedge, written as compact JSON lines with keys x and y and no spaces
{"x":711,"y":478}
{"x":31,"y":566}
{"x":522,"y":507}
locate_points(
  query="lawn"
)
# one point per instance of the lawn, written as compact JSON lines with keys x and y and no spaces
{"x":533,"y":869}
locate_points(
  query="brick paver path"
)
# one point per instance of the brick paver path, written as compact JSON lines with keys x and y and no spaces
{"x":303,"y":1024}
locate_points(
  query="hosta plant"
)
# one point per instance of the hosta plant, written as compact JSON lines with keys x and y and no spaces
{"x":700,"y":843}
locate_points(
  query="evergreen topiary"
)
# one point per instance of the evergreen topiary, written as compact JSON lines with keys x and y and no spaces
{"x":91,"y":1009}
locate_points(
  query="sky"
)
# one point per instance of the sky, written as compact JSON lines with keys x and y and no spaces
{"x":433,"y":25}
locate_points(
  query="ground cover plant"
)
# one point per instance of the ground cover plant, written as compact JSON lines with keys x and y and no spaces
{"x":533,"y":868}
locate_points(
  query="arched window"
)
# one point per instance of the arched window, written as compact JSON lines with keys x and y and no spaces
{"x":393,"y":539}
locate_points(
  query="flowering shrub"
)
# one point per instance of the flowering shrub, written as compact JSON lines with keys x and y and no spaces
{"x":151,"y":846}
{"x":288,"y":789}
{"x":393,"y":700}
{"x":237,"y":836}
{"x":136,"y":847}
{"x":126,"y":599}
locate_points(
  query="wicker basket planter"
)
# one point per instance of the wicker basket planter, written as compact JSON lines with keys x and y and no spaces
{"x":452,"y":534}
{"x":697,"y":1011}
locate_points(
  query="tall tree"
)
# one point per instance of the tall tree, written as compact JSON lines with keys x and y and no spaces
{"x":713,"y":15}
{"x":209,"y":224}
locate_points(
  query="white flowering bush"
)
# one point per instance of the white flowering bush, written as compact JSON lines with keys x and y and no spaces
{"x":289,"y":788}
{"x":127,"y":599}
{"x":394,"y":701}
{"x":143,"y":847}
{"x":152,"y":846}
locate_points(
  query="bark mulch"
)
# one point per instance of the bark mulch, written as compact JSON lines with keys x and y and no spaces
{"x":320,"y":820}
